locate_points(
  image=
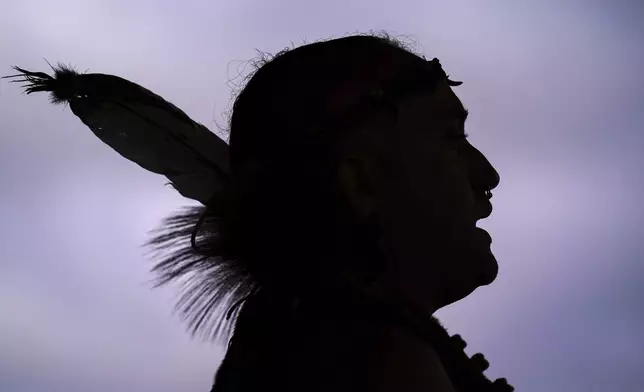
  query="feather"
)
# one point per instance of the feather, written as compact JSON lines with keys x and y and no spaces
{"x":141,"y":126}
{"x":150,"y":131}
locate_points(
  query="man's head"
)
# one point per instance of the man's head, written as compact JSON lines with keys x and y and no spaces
{"x":428,"y":188}
{"x":337,"y":139}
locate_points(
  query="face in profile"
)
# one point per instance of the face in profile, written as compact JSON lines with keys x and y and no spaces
{"x":433,"y":191}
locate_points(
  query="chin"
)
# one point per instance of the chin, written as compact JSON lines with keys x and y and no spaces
{"x":486,"y":274}
{"x":490,"y":271}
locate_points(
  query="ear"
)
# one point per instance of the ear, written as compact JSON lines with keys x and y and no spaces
{"x":357,"y":180}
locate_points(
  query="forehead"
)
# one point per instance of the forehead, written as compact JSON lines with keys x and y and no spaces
{"x":439,"y":104}
{"x":416,"y":79}
{"x":411,"y":83}
{"x":417,"y":84}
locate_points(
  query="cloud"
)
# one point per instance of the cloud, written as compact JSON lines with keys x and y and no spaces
{"x":554,"y":95}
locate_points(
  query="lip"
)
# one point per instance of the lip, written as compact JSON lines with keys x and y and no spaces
{"x":484,"y":209}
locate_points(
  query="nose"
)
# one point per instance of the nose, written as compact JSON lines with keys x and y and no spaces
{"x":483,"y":175}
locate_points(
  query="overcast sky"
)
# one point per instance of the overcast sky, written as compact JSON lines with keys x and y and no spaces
{"x":556,"y":97}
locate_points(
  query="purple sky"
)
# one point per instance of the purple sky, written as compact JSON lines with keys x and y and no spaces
{"x":556,"y":98}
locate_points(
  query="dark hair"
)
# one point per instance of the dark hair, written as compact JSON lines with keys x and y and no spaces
{"x":277,"y":225}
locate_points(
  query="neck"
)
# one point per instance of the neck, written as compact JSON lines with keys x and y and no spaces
{"x":345,"y":343}
{"x":332,"y":346}
{"x":357,"y":354}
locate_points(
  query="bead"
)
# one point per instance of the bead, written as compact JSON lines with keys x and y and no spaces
{"x":480,"y":362}
{"x":501,"y":385}
{"x":459,"y":342}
